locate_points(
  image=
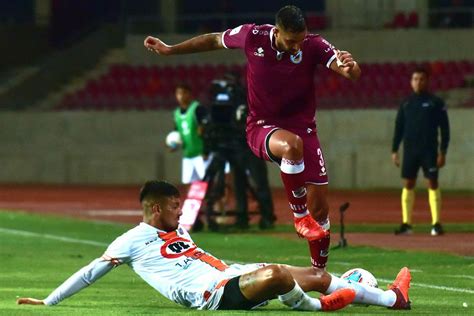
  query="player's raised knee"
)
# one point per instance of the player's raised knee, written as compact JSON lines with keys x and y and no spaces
{"x":293,"y":146}
{"x":277,"y":275}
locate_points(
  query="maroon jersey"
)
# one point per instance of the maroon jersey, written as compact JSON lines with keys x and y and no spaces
{"x":280,"y":85}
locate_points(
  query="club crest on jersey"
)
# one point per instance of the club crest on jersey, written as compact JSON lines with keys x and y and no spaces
{"x":296,"y":59}
{"x":177,"y":247}
{"x":259,"y":52}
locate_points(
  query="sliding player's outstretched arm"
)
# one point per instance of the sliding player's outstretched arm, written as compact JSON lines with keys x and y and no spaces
{"x":79,"y":280}
{"x":201,"y":43}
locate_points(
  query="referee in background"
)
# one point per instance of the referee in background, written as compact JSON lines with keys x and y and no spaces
{"x":418,"y":120}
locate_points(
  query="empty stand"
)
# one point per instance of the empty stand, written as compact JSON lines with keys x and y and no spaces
{"x":382,"y":85}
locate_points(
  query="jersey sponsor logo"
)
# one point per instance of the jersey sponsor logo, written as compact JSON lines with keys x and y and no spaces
{"x":297,"y":58}
{"x":235,"y":30}
{"x":432,"y":169}
{"x":259,"y":52}
{"x":177,"y":247}
{"x":425,"y":104}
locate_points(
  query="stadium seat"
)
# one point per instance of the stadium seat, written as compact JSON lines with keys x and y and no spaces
{"x":412,"y":20}
{"x":127,"y":87}
{"x":399,"y":21}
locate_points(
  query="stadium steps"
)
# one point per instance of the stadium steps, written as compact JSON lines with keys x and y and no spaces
{"x":111,"y":57}
{"x":60,"y":66}
{"x":15,"y":77}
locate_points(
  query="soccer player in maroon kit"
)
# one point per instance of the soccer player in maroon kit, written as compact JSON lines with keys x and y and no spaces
{"x":281,"y":127}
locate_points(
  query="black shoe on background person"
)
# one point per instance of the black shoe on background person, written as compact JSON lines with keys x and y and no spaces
{"x":404,"y":229}
{"x":437,"y":230}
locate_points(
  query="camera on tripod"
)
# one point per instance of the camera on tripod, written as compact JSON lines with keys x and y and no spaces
{"x":225,"y":129}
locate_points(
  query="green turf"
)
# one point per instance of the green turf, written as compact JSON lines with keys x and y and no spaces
{"x":33,"y":266}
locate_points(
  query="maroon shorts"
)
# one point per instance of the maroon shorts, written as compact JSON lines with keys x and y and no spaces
{"x":314,"y":167}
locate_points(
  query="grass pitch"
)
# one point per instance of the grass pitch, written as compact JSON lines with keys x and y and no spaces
{"x":37,"y":253}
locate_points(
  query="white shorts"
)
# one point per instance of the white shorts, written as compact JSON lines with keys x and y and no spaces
{"x":194,"y":169}
{"x":233,"y":271}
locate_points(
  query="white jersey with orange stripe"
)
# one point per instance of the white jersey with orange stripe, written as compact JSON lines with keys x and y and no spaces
{"x":173,"y":265}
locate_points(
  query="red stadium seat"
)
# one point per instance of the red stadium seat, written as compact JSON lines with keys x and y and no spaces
{"x":412,"y":20}
{"x":399,"y":21}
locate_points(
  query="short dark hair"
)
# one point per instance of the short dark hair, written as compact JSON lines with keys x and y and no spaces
{"x":421,"y":70}
{"x":158,"y":189}
{"x":290,"y":18}
{"x":184,"y":86}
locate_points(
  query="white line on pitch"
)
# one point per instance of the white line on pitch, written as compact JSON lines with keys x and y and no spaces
{"x":101,"y":244}
{"x":53,"y":237}
{"x":460,"y":276}
{"x":431,"y":286}
{"x":114,"y":212}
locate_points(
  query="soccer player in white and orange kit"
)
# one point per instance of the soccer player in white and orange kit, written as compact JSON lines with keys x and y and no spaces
{"x":163,"y":254}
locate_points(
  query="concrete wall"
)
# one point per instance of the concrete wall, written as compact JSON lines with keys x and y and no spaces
{"x":365,"y":45}
{"x":127,"y":148}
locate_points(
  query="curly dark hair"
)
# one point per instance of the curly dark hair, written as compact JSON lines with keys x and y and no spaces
{"x":290,"y":18}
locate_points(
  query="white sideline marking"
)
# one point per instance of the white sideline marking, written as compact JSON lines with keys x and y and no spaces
{"x":114,"y":212}
{"x":460,"y":276}
{"x":53,"y":237}
{"x":101,"y":244}
{"x":431,"y":286}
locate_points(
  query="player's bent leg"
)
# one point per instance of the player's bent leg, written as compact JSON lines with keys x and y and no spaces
{"x":310,"y":279}
{"x":319,"y":209}
{"x":256,"y":287}
{"x":288,"y":147}
{"x":276,"y":280}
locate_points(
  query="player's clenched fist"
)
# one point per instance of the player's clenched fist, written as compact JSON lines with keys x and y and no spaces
{"x":29,"y":300}
{"x":156,"y":45}
{"x":344,"y":58}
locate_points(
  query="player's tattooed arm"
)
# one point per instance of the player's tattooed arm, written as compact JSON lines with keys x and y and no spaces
{"x":201,"y":43}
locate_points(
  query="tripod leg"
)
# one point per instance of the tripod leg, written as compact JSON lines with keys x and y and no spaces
{"x":342,"y":209}
{"x":342,"y":241}
{"x":212,"y":194}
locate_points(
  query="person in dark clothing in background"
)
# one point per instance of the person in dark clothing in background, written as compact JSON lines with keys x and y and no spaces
{"x":255,"y":168}
{"x":418,"y":120}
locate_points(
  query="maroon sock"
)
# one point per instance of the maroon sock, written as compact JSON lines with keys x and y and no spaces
{"x":293,"y":180}
{"x":319,"y":250}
